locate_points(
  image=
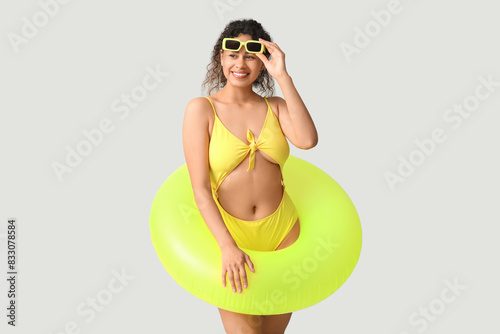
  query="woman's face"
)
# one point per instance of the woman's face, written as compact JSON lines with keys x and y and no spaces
{"x":246,"y":64}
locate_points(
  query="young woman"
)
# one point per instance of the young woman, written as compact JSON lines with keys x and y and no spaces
{"x":235,"y":147}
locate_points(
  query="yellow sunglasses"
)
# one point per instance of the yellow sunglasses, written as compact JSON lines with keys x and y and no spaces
{"x":234,"y":44}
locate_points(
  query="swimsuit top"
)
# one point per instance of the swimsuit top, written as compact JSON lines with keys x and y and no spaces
{"x":226,"y":151}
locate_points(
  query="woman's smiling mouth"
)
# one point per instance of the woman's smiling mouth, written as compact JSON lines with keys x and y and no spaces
{"x":239,"y":74}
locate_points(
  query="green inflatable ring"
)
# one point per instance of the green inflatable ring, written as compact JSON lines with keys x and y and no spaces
{"x":286,"y":280}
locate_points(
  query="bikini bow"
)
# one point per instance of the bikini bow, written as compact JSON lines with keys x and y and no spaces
{"x":252,"y":147}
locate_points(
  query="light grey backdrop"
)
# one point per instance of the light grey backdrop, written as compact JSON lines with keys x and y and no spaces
{"x":378,"y":77}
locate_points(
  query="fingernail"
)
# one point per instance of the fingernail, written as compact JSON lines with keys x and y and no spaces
{"x":234,"y":290}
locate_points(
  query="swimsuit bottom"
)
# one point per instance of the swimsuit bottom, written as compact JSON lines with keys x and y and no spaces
{"x":264,"y":234}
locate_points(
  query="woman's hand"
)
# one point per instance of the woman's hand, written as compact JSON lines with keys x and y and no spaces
{"x":233,"y":263}
{"x":275,"y":66}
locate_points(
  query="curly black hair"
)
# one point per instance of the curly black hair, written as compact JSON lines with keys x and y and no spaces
{"x":215,"y":78}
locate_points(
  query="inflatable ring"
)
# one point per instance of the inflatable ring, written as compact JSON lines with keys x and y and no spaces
{"x":286,"y":280}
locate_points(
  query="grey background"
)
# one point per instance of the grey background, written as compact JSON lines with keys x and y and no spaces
{"x":440,"y":224}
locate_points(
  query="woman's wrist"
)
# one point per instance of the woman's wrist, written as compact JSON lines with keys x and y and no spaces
{"x":227,"y":244}
{"x":283,"y":77}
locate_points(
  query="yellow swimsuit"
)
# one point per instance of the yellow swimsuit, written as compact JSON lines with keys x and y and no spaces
{"x":226,"y":151}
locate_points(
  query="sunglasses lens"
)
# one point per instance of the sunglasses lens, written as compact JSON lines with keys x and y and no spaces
{"x":254,"y":47}
{"x":232,"y":45}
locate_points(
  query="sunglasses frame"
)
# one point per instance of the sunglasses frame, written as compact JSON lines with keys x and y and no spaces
{"x":262,"y":49}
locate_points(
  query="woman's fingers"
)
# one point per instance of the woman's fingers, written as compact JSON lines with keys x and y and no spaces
{"x":276,"y":66}
{"x":234,"y":267}
{"x":231,"y":279}
{"x":262,"y":58}
{"x":271,"y":47}
{"x":224,"y":277}
{"x":244,"y":277}
{"x":234,"y":278}
{"x":249,"y":263}
{"x":237,"y":279}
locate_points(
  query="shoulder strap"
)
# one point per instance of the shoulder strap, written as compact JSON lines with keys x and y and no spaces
{"x":211,"y":104}
{"x":268,"y":106}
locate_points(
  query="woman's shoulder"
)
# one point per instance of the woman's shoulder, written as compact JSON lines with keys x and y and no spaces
{"x":199,"y":105}
{"x":198,"y":113}
{"x":275,"y":102}
{"x":199,"y":100}
{"x":275,"y":99}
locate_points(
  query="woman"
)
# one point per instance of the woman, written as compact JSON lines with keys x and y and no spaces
{"x":235,"y":147}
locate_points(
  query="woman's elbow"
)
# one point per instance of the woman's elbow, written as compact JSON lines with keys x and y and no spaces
{"x":202,"y":195}
{"x":310,"y":143}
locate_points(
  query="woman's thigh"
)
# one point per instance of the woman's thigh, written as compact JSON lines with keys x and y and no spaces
{"x":239,"y":323}
{"x":276,"y":323}
{"x":291,"y":237}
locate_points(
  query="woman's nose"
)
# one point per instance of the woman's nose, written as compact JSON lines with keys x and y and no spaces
{"x":241,"y":60}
